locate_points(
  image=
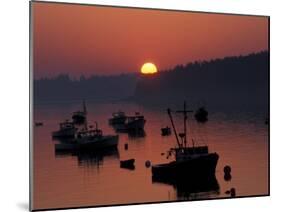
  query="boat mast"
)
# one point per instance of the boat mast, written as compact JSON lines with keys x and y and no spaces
{"x":184,"y":122}
{"x":175,"y":131}
{"x":184,"y":111}
{"x":85,"y":113}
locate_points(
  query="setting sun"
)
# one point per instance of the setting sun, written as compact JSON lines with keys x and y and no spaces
{"x":148,"y":68}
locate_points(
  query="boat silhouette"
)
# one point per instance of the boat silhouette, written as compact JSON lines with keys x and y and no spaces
{"x":195,"y":162}
{"x":85,"y":138}
{"x":89,"y":139}
{"x":165,"y":131}
{"x":131,"y":124}
{"x":67,"y":129}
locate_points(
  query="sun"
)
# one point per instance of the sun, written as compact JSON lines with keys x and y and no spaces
{"x":148,"y":68}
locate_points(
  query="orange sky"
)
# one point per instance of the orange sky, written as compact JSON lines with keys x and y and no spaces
{"x":95,"y":40}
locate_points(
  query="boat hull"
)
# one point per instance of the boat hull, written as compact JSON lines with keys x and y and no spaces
{"x":64,"y":133}
{"x":127,"y":164}
{"x":119,"y":120}
{"x":200,"y":167}
{"x":99,"y":143}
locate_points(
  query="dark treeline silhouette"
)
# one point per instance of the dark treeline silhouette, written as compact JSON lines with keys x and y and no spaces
{"x":230,"y":81}
{"x":62,"y":88}
{"x":227,"y":82}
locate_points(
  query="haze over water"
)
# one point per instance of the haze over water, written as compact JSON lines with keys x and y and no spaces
{"x":72,"y":180}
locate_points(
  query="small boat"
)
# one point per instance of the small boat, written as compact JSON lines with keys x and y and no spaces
{"x":127,"y":164}
{"x":132,"y":124}
{"x":118,"y":118}
{"x":201,"y":115}
{"x":190,"y":162}
{"x":135,"y":123}
{"x":166,"y":131}
{"x":90,"y":139}
{"x":66,"y":130}
{"x":79,"y":117}
{"x":266,"y":122}
{"x":38,"y":124}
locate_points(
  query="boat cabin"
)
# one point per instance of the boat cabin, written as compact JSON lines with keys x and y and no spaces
{"x":90,"y":133}
{"x":188,"y":152}
{"x":118,"y":114}
{"x":66,"y":125}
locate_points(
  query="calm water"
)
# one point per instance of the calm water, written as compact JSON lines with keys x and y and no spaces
{"x":73,"y":180}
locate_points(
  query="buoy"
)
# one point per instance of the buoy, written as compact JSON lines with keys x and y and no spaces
{"x":147,"y":164}
{"x":126,"y":146}
{"x":232,"y":192}
{"x":227,"y":177}
{"x":227,"y":169}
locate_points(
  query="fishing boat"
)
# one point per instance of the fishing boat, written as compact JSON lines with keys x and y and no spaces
{"x":79,"y":117}
{"x":91,"y":139}
{"x":38,"y":124}
{"x":86,"y":139}
{"x":127,"y":164}
{"x":190,"y":162}
{"x":118,"y":118}
{"x":133,"y":124}
{"x":66,"y":130}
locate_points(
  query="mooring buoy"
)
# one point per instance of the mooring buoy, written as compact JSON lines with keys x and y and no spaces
{"x":147,"y":164}
{"x":227,"y":169}
{"x":232,"y":192}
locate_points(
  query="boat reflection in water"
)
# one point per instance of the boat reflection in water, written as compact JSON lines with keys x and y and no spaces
{"x":190,"y":189}
{"x":89,"y":157}
{"x":136,"y":134}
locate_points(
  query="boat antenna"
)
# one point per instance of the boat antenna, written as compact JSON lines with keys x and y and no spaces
{"x":85,"y":113}
{"x":175,"y":131}
{"x":84,"y":107}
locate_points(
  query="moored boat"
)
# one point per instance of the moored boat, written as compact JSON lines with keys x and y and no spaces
{"x":118,"y":118}
{"x":90,"y":139}
{"x":128,"y":124}
{"x":38,"y":124}
{"x":127,"y":164}
{"x":195,"y":162}
{"x":165,"y":131}
{"x":66,"y":130}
